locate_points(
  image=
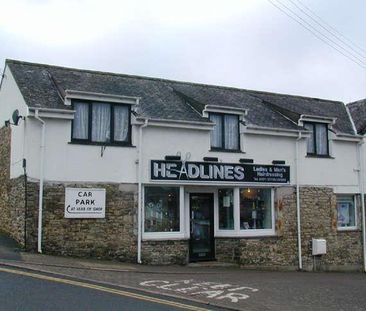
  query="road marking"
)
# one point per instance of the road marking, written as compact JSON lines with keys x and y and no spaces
{"x":212,"y":290}
{"x":105,"y":289}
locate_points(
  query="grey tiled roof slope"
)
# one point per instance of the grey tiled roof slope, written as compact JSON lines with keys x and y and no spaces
{"x":166,"y":99}
{"x":358,"y":113}
{"x":311,"y":106}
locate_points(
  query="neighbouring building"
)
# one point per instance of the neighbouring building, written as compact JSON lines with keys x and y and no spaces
{"x":164,"y":172}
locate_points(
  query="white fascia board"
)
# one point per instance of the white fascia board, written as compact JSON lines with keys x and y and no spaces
{"x":348,"y":137}
{"x":313,"y":118}
{"x":259,"y":130}
{"x":52,"y":113}
{"x":111,"y":98}
{"x":224,"y":109}
{"x":205,"y":126}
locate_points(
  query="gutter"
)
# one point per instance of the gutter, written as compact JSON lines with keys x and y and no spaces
{"x":139,"y":206}
{"x":298,"y":213}
{"x":41,"y":177}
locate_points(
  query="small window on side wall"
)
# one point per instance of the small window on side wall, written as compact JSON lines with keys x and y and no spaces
{"x":346,"y":212}
{"x":101,"y":123}
{"x":317,"y":143}
{"x":225,"y":134}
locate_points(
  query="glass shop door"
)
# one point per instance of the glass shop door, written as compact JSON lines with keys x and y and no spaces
{"x":201,"y":227}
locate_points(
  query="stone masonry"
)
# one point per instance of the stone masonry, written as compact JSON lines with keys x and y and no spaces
{"x":165,"y":252}
{"x":111,"y":237}
{"x":318,"y":220}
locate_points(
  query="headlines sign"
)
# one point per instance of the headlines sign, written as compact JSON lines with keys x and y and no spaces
{"x":213,"y":172}
{"x":84,"y":203}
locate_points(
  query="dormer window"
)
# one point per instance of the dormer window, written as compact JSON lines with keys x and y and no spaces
{"x":101,"y":123}
{"x":317,"y":143}
{"x":225,"y":134}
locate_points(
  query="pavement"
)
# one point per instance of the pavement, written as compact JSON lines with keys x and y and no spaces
{"x":221,"y":286}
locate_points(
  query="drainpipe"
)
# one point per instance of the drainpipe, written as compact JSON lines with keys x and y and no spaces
{"x":362,"y":191}
{"x":139,"y":208}
{"x":41,"y":177}
{"x":298,"y":202}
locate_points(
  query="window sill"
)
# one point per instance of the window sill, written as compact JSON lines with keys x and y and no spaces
{"x":319,"y":156}
{"x":226,"y":150}
{"x":246,"y":234}
{"x":88,"y":143}
{"x":348,"y":229}
{"x":163,"y":236}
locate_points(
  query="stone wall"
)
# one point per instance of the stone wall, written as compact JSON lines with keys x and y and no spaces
{"x":111,"y":237}
{"x":12,"y":193}
{"x":318,"y":220}
{"x":275,"y":252}
{"x":5,"y":135}
{"x":165,"y":252}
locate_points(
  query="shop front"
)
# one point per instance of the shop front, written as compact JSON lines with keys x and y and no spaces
{"x":202,"y":202}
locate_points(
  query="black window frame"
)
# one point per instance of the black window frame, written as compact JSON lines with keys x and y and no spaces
{"x":222,"y":148}
{"x":315,"y":153}
{"x":112,"y":142}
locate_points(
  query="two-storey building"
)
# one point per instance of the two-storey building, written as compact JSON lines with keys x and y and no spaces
{"x":158,"y":171}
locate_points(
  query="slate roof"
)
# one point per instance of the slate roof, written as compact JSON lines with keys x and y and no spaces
{"x":358,"y":113}
{"x":172,"y":100}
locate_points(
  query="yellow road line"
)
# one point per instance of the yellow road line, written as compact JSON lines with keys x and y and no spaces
{"x":104,"y":289}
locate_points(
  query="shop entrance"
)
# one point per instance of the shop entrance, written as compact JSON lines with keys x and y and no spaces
{"x":201,"y":246}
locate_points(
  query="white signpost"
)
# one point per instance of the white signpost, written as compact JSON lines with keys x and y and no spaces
{"x":84,"y":203}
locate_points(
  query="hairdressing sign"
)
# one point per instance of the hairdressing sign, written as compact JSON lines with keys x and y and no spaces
{"x":84,"y":203}
{"x":214,"y":172}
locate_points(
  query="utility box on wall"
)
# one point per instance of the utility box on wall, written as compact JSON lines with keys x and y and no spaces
{"x":319,"y":247}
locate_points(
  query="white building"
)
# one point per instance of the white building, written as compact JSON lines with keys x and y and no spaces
{"x":188,"y":172}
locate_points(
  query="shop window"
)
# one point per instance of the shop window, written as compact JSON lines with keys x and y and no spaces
{"x":226,"y":209}
{"x":162,"y":209}
{"x":101,"y":123}
{"x":346,"y":212}
{"x":225,"y":134}
{"x":317,"y":143}
{"x":255,"y":209}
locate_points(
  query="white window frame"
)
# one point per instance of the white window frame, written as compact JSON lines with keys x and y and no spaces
{"x":237,"y":232}
{"x":176,"y":235}
{"x":355,"y":227}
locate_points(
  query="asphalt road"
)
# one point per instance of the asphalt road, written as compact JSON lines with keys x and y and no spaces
{"x":22,"y":292}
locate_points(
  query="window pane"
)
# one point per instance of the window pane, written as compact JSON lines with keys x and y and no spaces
{"x":216,"y":133}
{"x":310,"y":141}
{"x":121,"y":123}
{"x":231,"y":132}
{"x":255,"y":208}
{"x":81,"y":121}
{"x":161,"y":209}
{"x":346,"y":216}
{"x":226,"y":209}
{"x":321,"y":139}
{"x":101,"y":120}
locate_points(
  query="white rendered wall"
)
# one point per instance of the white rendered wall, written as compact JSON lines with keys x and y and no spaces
{"x":11,"y":99}
{"x":71,"y":162}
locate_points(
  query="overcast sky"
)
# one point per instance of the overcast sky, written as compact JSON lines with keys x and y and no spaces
{"x":243,"y":43}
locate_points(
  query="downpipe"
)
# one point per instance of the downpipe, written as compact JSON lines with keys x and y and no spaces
{"x":41,"y":178}
{"x":139,"y":204}
{"x":298,"y":213}
{"x":362,"y":192}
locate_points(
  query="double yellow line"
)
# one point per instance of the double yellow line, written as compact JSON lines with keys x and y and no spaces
{"x":104,"y":289}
